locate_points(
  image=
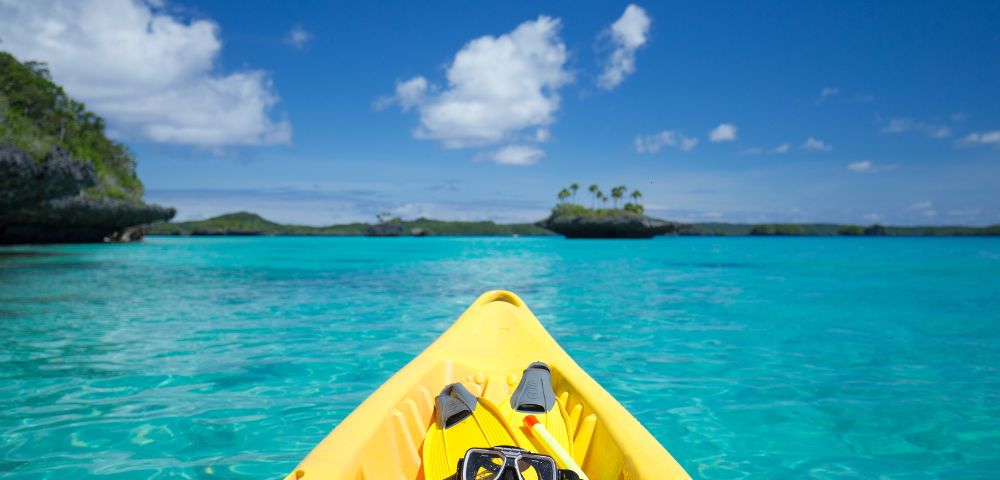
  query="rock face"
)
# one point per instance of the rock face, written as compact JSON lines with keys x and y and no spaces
{"x":623,"y":225}
{"x":24,"y":182}
{"x":42,"y":203}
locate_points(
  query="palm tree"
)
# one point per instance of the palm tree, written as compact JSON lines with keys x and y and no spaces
{"x":602,"y":197}
{"x":594,"y":190}
{"x":617,"y":193}
{"x":636,"y":195}
{"x":563,"y":194}
{"x":574,"y":187}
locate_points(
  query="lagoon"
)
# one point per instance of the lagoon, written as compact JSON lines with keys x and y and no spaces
{"x":746,"y":357}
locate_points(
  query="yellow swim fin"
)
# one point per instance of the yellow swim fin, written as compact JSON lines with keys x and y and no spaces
{"x":461,"y":422}
{"x":534,"y":396}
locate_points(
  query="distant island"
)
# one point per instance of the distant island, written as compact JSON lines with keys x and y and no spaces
{"x":832,"y":229}
{"x":573,"y":220}
{"x":245,"y":223}
{"x":61,"y":179}
{"x":250,"y":224}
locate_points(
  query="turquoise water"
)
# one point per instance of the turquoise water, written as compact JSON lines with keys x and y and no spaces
{"x":746,"y":357}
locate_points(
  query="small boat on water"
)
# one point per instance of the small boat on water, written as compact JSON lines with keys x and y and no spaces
{"x":497,"y":366}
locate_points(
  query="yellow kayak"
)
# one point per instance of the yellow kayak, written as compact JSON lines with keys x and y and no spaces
{"x":394,"y":433}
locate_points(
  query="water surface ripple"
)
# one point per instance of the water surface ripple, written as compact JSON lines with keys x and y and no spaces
{"x":746,"y":357}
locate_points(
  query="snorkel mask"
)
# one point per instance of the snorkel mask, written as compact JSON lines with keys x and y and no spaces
{"x":509,"y":463}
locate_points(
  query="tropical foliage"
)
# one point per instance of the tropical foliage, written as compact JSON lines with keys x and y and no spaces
{"x":38,"y":116}
{"x":567,"y":196}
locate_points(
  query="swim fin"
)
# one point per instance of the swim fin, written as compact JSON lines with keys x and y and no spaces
{"x":534,"y":396}
{"x":461,"y":422}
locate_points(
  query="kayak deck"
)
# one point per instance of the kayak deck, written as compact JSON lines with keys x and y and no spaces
{"x":486,"y":350}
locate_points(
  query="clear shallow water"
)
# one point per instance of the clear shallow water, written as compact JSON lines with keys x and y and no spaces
{"x":745,"y":357}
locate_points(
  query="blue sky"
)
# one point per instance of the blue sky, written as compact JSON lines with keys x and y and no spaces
{"x":315,"y":113}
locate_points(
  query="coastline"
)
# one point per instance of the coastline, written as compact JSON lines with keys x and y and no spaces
{"x":249,"y":224}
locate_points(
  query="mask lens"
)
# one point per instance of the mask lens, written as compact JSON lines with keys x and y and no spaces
{"x":483,"y":465}
{"x":536,"y":468}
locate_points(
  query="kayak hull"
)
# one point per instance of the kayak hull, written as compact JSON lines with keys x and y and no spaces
{"x":485,"y":350}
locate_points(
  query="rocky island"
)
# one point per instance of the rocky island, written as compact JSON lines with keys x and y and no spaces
{"x":573,"y":220}
{"x":61,"y":179}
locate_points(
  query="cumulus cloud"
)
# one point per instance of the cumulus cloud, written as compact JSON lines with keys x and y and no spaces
{"x":868,"y":166}
{"x":411,"y":92}
{"x":627,"y":34}
{"x":153,"y":76}
{"x":862,"y":166}
{"x":298,"y":37}
{"x":517,"y":155}
{"x":816,"y":145}
{"x":982,"y":138}
{"x":667,"y":138}
{"x":725,"y":132}
{"x":778,"y":150}
{"x":497,"y":88}
{"x":905,"y":124}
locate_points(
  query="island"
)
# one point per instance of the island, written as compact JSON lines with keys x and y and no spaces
{"x":246,"y":223}
{"x":573,"y":220}
{"x":62,"y":180}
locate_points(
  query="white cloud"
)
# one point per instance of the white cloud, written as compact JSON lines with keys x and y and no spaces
{"x":905,"y":124}
{"x":497,"y":87}
{"x":898,"y":125}
{"x":725,"y":132}
{"x":411,"y":92}
{"x":542,"y":135}
{"x":938,"y":131}
{"x":867,"y":166}
{"x":959,"y":116}
{"x":827,"y":92}
{"x":667,"y":138}
{"x":982,"y":138}
{"x":627,"y":34}
{"x":298,"y":37}
{"x":153,"y":76}
{"x":922,"y":205}
{"x":863,"y":166}
{"x":816,"y":145}
{"x":778,"y":150}
{"x":517,"y":155}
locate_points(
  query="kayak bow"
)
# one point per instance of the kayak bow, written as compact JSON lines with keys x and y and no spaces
{"x":486,"y":350}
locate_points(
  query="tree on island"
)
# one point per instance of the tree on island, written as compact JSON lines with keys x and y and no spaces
{"x":595,"y":191}
{"x":617,"y":193}
{"x":636,"y":195}
{"x":563,"y":195}
{"x":574,"y":187}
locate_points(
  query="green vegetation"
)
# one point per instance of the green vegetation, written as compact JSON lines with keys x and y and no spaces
{"x":780,"y":229}
{"x":37,"y":116}
{"x":245,"y":223}
{"x":617,"y":194}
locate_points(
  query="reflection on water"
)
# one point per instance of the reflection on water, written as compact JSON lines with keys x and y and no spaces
{"x":768,"y":358}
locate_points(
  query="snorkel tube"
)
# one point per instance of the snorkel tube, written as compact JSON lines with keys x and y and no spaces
{"x":557,"y":451}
